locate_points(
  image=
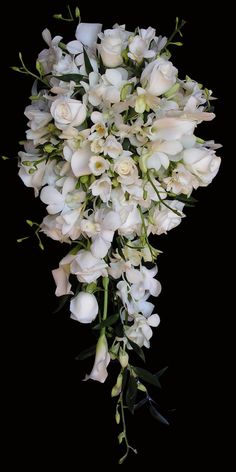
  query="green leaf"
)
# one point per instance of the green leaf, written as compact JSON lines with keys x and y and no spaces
{"x":131,"y":393}
{"x":68,"y":77}
{"x":126,"y":144}
{"x":90,"y":351}
{"x":155,"y":413}
{"x":125,"y":378}
{"x":87,"y":63}
{"x":161,"y":372}
{"x":108,"y":322}
{"x":147,"y":376}
{"x":140,"y":404}
{"x":62,"y":301}
{"x":137,"y":350}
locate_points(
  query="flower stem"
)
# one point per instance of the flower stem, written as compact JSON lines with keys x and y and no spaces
{"x":128,"y":447}
{"x":161,"y":199}
{"x":105,"y":283}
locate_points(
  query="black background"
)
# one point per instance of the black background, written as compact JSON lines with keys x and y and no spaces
{"x":51,"y":416}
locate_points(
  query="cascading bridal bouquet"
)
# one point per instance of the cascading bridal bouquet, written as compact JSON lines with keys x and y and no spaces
{"x":111,"y":149}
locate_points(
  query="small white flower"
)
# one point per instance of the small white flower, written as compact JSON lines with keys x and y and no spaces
{"x":102,"y":188}
{"x":140,"y":332}
{"x":98,"y":165}
{"x":164,"y":219}
{"x":84,"y":307}
{"x":112,"y":147}
{"x":181,"y":181}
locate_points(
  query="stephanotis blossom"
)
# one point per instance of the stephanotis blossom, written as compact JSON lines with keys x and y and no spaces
{"x":113,"y":152}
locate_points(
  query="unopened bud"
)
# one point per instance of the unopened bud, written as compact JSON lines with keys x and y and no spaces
{"x":123,"y":358}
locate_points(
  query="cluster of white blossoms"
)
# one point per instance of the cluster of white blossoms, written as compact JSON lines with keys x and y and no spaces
{"x":112,"y":151}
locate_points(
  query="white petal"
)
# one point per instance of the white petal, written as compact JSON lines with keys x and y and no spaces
{"x":113,"y":76}
{"x":170,"y":147}
{"x":99,"y":247}
{"x":80,"y":162}
{"x":87,"y":33}
{"x":62,"y":282}
{"x":53,"y":198}
{"x":154,"y":320}
{"x":74,"y":47}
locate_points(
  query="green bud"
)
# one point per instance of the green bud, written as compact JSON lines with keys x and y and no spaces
{"x":126,"y":89}
{"x":142,"y":162}
{"x":91,"y":287}
{"x":30,"y":223}
{"x":84,"y":179}
{"x":124,"y":55}
{"x":121,"y":437}
{"x":32,"y":171}
{"x":39,"y":68}
{"x":115,"y":182}
{"x":145,"y":194}
{"x":48,"y":148}
{"x":142,"y":387}
{"x":5,"y":158}
{"x":57,"y":16}
{"x":27,"y":163}
{"x":172,"y":90}
{"x":117,"y":417}
{"x":200,"y":140}
{"x":123,"y":358}
{"x":140,"y":104}
{"x":77,"y":12}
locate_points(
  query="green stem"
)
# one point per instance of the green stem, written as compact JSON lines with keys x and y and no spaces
{"x":145,"y":232}
{"x":128,"y":447}
{"x":105,"y":283}
{"x":161,"y":199}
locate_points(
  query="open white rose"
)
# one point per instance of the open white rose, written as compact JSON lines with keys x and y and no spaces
{"x":111,"y":47}
{"x":84,"y":307}
{"x":126,"y":169}
{"x":202,"y":163}
{"x":164,"y":219}
{"x":67,"y":111}
{"x":158,"y":76}
{"x":102,"y":359}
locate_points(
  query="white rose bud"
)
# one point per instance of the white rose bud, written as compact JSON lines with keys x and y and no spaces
{"x":158,"y":77}
{"x":111,"y":47}
{"x":67,"y":111}
{"x":84,"y":307}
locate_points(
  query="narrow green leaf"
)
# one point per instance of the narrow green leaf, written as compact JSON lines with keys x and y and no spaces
{"x":161,"y":372}
{"x":158,"y":415}
{"x":108,"y":322}
{"x":86,"y":353}
{"x":140,"y":404}
{"x":137,"y":350}
{"x":131,"y":393}
{"x":68,"y":77}
{"x":147,"y":376}
{"x":87,"y":63}
{"x":62,"y":301}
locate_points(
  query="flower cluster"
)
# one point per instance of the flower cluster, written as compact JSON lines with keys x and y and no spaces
{"x":112,"y":151}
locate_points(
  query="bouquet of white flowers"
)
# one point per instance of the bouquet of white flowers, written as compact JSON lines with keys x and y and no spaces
{"x":111,"y":149}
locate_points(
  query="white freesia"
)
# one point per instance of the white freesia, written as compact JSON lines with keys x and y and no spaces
{"x":67,"y":111}
{"x":98,"y":165}
{"x":102,"y":359}
{"x":84,"y":307}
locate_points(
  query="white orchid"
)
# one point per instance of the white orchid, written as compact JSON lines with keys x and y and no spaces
{"x":100,"y":227}
{"x":87,"y":267}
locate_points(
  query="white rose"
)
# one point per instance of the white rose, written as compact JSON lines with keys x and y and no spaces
{"x":202,"y":163}
{"x":164,"y":219}
{"x":181,"y":181}
{"x":111,"y":47}
{"x":67,"y":111}
{"x":126,"y":169}
{"x":84,"y":307}
{"x":88,"y":268}
{"x":102,"y":359}
{"x":158,"y":76}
